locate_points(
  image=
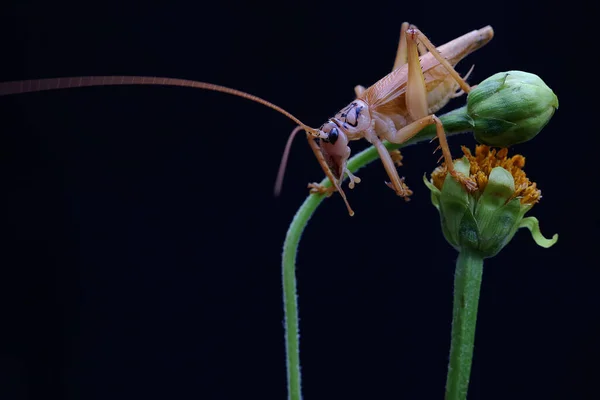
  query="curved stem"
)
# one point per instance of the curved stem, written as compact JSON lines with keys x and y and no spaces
{"x":454,"y":122}
{"x":290,"y":299}
{"x":467,"y":283}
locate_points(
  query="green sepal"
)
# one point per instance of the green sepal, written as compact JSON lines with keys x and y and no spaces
{"x":435,"y":200}
{"x":435,"y":192}
{"x":533,"y":225}
{"x":500,"y":188}
{"x":468,"y":233}
{"x":500,"y":228}
{"x":454,"y":202}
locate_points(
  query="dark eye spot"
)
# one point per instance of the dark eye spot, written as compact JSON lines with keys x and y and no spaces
{"x":333,"y":135}
{"x":358,"y":111}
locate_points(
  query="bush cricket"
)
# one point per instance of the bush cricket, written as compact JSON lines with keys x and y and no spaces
{"x":395,"y":108}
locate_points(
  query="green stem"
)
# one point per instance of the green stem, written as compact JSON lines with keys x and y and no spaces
{"x":290,"y":298}
{"x":454,"y":122}
{"x":467,"y":283}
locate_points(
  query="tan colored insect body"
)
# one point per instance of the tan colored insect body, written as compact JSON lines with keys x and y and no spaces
{"x":400,"y":104}
{"x":395,"y":108}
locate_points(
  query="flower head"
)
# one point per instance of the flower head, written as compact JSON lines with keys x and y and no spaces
{"x":481,"y":166}
{"x":487,"y":219}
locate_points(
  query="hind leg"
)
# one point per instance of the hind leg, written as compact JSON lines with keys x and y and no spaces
{"x":416,"y":103}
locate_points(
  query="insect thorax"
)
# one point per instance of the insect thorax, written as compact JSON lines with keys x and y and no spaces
{"x":351,"y":120}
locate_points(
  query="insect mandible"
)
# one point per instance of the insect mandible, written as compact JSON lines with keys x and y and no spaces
{"x":395,"y":108}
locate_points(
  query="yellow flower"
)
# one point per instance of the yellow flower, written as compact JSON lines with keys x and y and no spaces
{"x":487,"y":219}
{"x":481,"y":166}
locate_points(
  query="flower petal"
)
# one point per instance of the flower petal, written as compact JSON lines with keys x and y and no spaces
{"x":454,"y":201}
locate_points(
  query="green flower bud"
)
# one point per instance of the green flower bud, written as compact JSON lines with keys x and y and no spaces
{"x":509,"y":108}
{"x":486,"y":220}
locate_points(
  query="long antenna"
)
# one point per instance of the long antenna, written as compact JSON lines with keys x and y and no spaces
{"x":284,"y":160}
{"x":38,"y":85}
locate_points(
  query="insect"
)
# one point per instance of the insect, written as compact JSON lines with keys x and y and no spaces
{"x":395,"y":108}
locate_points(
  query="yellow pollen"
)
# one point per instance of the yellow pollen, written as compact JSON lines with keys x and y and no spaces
{"x":482,"y":163}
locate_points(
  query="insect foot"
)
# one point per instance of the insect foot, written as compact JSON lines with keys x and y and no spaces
{"x":404,"y":191}
{"x":353,"y":179}
{"x":469,"y":184}
{"x":317,"y":188}
{"x":396,"y":157}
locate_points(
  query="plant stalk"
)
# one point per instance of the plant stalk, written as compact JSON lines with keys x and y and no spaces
{"x":290,"y":297}
{"x":467,"y":284}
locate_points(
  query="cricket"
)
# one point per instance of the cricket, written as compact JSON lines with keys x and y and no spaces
{"x":395,"y":108}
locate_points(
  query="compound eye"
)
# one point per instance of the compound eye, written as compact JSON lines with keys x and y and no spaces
{"x":333,"y":135}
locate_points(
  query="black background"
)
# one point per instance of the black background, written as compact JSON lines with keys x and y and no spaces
{"x":142,"y":246}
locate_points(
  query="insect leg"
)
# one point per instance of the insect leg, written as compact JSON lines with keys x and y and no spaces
{"x":422,"y":48}
{"x":415,"y":35}
{"x":416,"y":104}
{"x":401,"y":53}
{"x":410,"y":130}
{"x":358,"y":90}
{"x":397,"y":183}
{"x":316,"y":188}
